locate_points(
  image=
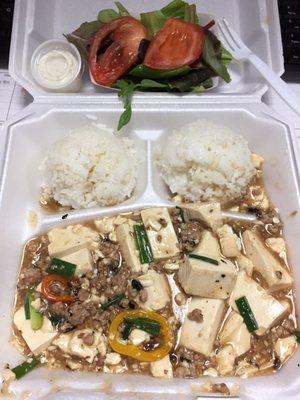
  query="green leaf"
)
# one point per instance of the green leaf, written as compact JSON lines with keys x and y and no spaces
{"x":297,"y":335}
{"x":211,"y":56}
{"x":81,"y":36}
{"x":125,"y":117}
{"x":175,"y":9}
{"x":226,"y":57}
{"x":153,"y":21}
{"x":192,"y":79}
{"x":190,"y":13}
{"x":151,"y":84}
{"x":107,"y":15}
{"x":122,"y":10}
{"x":126,"y":89}
{"x":141,"y":71}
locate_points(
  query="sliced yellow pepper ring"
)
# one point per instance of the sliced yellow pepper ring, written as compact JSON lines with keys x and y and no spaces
{"x":131,"y":350}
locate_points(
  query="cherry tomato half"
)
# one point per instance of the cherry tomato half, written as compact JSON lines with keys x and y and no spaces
{"x":176,"y":44}
{"x":123,"y":36}
{"x":54,"y":287}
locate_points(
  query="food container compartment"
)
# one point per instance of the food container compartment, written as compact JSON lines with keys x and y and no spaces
{"x":40,"y":126}
{"x":37,"y":21}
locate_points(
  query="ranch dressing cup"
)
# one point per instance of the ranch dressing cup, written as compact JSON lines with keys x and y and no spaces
{"x":56,"y":65}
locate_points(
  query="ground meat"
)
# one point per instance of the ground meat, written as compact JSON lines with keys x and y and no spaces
{"x":190,"y":235}
{"x":88,"y":339}
{"x":78,"y":314}
{"x":191,"y":360}
{"x":105,"y":317}
{"x":32,"y":276}
{"x":195,"y":315}
{"x":220,"y":388}
{"x":143,"y":295}
{"x":58,"y":308}
{"x":65,"y":326}
{"x":182,"y":372}
{"x":83,"y":294}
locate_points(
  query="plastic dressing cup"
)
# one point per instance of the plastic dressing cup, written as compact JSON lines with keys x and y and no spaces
{"x":56,"y":65}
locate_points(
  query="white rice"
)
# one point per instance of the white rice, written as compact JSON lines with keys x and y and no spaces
{"x":90,"y":167}
{"x":203,"y":161}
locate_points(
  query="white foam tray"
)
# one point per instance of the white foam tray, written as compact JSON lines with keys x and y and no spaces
{"x":35,"y":21}
{"x":28,"y":137}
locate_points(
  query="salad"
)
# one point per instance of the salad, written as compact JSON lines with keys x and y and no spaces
{"x":166,"y":50}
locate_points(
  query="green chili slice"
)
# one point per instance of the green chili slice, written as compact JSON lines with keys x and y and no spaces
{"x":25,"y":367}
{"x":61,"y":267}
{"x":203,"y":258}
{"x":143,"y":244}
{"x":247,"y":314}
{"x":113,"y":301}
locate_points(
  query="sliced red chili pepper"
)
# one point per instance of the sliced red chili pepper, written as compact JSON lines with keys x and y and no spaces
{"x":55,"y":280}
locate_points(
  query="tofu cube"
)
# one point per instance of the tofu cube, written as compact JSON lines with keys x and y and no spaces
{"x":285,"y":347}
{"x":200,"y":336}
{"x":229,"y":241}
{"x":236,"y":334}
{"x":64,"y":241}
{"x":38,"y":340}
{"x":201,"y":278}
{"x":209,"y":213}
{"x":160,"y":232}
{"x":125,"y":237}
{"x":245,"y":264}
{"x":83,"y":260}
{"x":225,"y":359}
{"x":162,"y":368}
{"x":266,"y":309}
{"x":208,"y":246}
{"x":265,"y":262}
{"x":158,"y":291}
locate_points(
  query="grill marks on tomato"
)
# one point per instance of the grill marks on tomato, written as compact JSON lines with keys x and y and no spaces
{"x":177,"y":44}
{"x":114,"y":49}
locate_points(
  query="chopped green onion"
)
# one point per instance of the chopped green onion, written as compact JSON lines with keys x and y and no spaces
{"x":27,"y":301}
{"x":127,"y":330}
{"x":181,"y":213}
{"x":36,"y":318}
{"x":297,"y":334}
{"x":143,"y":244}
{"x":203,"y":258}
{"x":113,"y":301}
{"x":61,"y":267}
{"x":145,"y":324}
{"x":247,"y":314}
{"x":25,"y":367}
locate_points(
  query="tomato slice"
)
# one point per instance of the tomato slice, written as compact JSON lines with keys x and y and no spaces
{"x":176,"y":44}
{"x":125,"y":35}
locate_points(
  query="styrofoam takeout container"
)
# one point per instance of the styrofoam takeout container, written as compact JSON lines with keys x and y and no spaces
{"x":256,"y":21}
{"x":29,"y":138}
{"x":51,"y":116}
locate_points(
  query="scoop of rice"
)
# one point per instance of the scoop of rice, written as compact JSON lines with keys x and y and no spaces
{"x":204,"y":161}
{"x":90,"y":167}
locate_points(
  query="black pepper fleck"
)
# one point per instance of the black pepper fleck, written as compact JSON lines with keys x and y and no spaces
{"x":64,"y":216}
{"x":223,"y":275}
